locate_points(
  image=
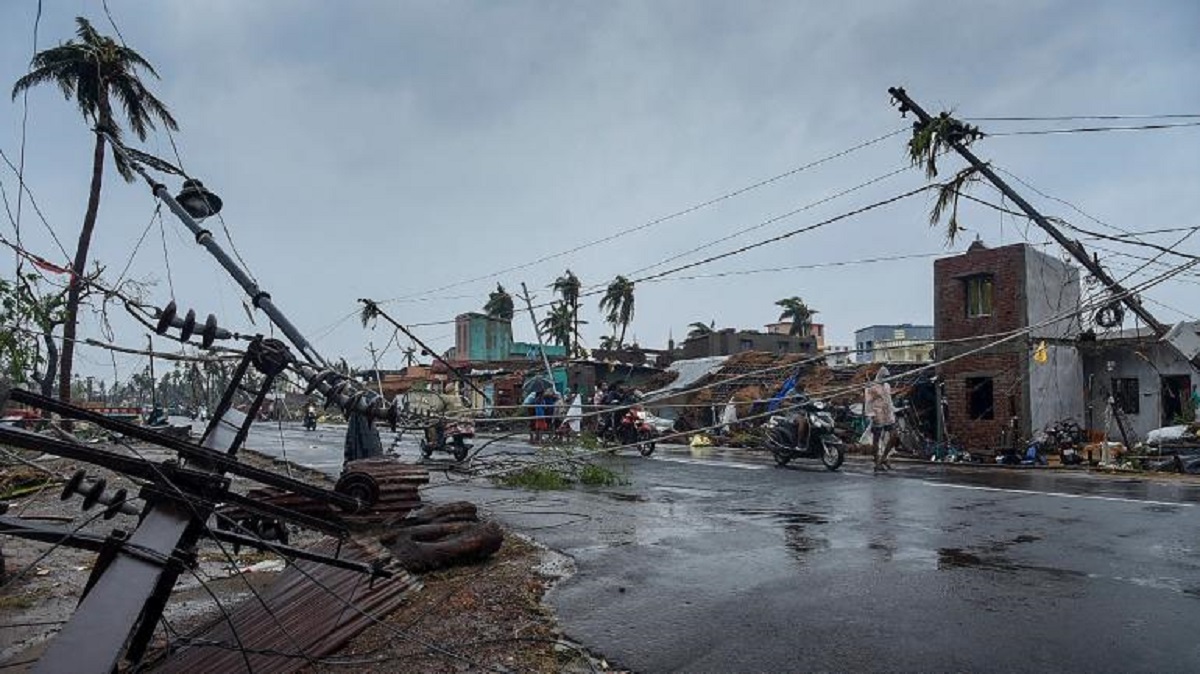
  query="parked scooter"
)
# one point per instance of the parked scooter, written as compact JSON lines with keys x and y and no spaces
{"x":447,"y":436}
{"x":819,"y":440}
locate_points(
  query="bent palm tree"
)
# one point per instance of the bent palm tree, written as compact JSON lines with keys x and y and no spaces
{"x":568,"y":286}
{"x":617,"y":304}
{"x":796,"y":311}
{"x":698,"y":329}
{"x":94,"y":70}
{"x":499,"y":304}
{"x":558,"y":323}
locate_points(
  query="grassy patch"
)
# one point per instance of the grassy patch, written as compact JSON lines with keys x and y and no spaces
{"x":593,"y":474}
{"x":538,"y":478}
{"x":25,"y":600}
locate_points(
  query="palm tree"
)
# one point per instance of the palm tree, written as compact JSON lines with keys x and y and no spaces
{"x":568,"y":286}
{"x":796,"y":311}
{"x":609,"y":343}
{"x":499,"y":304}
{"x":617,"y":304}
{"x":699,"y":329}
{"x":94,"y":70}
{"x":558,"y":323}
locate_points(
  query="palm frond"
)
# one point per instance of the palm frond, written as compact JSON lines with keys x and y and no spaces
{"x":370,"y":312}
{"x":937,"y":136}
{"x":947,"y":201}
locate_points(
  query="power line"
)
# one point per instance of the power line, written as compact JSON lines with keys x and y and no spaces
{"x":664,"y":218}
{"x":765,"y":223}
{"x":33,"y":202}
{"x":800,"y":267}
{"x":1093,"y":129}
{"x":1068,"y":118}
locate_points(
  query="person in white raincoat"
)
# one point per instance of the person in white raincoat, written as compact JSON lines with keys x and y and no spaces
{"x":879,"y":408}
{"x":575,"y":414}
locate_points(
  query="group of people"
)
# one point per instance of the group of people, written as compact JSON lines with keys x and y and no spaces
{"x":548,"y":413}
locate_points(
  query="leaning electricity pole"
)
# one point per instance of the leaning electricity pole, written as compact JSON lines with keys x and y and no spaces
{"x":537,"y":331}
{"x":1074,"y":247}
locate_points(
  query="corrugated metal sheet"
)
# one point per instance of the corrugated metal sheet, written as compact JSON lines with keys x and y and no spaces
{"x":690,"y":371}
{"x":313,"y":617}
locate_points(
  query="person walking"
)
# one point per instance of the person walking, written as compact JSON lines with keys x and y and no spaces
{"x":878,"y":405}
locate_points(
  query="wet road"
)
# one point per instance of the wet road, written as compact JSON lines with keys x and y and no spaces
{"x":718,"y":563}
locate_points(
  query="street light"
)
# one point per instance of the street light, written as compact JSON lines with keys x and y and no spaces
{"x":197,"y":200}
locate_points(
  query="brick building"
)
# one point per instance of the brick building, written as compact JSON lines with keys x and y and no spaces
{"x":982,"y":295}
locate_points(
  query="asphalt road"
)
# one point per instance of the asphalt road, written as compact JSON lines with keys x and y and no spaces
{"x":722,"y":562}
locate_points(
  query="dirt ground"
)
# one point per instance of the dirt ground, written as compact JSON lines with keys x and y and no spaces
{"x":487,"y":615}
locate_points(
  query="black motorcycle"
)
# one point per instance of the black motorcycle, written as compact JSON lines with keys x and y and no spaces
{"x":819,"y":441}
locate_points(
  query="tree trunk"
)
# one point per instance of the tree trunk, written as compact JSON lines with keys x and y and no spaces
{"x":80,"y":265}
{"x":47,"y":382}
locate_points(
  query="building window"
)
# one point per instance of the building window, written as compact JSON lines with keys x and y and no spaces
{"x":979,"y":295}
{"x":981,"y":404}
{"x":898,"y":334}
{"x":746,"y":345}
{"x":1125,"y":394}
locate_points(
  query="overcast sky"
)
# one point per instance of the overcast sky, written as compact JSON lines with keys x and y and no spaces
{"x":386,"y":149}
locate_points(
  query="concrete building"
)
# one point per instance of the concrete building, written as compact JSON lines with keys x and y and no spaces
{"x":905,"y":343}
{"x":838,"y":356}
{"x":730,"y":341}
{"x":1147,"y":380}
{"x":482,"y":338}
{"x":1001,"y":394}
{"x":816,"y":330}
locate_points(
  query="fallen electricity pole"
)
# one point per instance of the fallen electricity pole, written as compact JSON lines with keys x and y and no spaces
{"x":1182,"y":338}
{"x":135,"y":572}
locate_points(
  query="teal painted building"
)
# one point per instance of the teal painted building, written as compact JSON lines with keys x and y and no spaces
{"x":481,"y":338}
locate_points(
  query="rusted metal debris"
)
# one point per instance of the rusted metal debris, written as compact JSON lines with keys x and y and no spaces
{"x":387,"y":488}
{"x":314,"y":611}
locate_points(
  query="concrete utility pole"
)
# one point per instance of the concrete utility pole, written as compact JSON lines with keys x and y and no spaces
{"x":375,"y":361}
{"x":1072,"y":246}
{"x":537,"y":331}
{"x":153,"y":381}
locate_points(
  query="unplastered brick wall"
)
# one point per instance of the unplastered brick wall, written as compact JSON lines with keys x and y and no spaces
{"x":1003,"y":363}
{"x":1006,"y":267}
{"x":1008,"y":392}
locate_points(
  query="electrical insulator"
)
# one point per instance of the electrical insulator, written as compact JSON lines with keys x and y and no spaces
{"x":168,"y":318}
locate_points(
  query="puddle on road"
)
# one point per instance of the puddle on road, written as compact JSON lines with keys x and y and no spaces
{"x":787,"y":517}
{"x":630,"y":498}
{"x":690,"y":491}
{"x":958,"y":558}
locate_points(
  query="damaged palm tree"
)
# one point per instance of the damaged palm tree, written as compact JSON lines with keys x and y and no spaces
{"x":931,"y":139}
{"x":95,"y":70}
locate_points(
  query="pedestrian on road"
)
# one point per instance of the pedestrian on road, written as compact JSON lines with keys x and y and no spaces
{"x":878,"y":405}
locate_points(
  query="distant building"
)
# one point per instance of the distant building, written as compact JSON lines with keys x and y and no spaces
{"x":481,"y":338}
{"x":906,"y":343}
{"x":816,"y":330}
{"x":730,"y":341}
{"x":836,"y":356}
